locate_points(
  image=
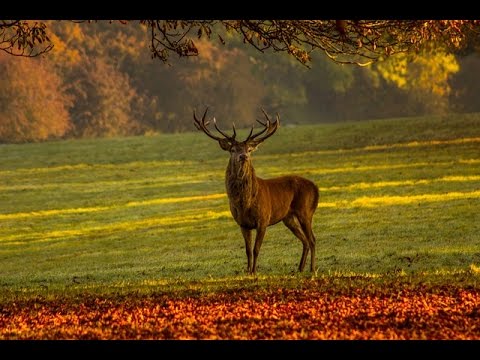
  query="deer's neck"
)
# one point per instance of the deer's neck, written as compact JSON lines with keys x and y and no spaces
{"x":241,"y":184}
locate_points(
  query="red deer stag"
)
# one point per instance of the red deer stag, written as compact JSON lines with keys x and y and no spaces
{"x":257,"y":203}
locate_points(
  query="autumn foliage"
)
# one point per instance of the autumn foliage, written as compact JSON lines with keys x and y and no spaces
{"x":99,"y":80}
{"x":33,"y":104}
{"x":394,"y":312}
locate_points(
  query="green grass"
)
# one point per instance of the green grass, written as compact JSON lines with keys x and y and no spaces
{"x":398,"y":197}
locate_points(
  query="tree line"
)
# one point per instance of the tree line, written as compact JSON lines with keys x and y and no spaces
{"x":100,"y":80}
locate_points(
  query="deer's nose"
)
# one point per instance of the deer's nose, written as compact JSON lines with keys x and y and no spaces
{"x":243,"y":157}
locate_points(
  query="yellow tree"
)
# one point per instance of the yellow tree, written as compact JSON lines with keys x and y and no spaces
{"x":424,"y":76}
{"x":33,"y":103}
{"x":103,"y":95}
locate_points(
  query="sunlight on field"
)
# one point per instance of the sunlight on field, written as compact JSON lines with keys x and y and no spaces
{"x":166,"y":163}
{"x":153,"y":182}
{"x":348,"y":274}
{"x":413,"y":144}
{"x":470,"y":269}
{"x":322,"y":171}
{"x":363,"y":201}
{"x":114,"y":227}
{"x":105,"y":208}
{"x":53,"y":212}
{"x":132,"y":164}
{"x":366,"y":201}
{"x":174,"y":200}
{"x":45,"y":169}
{"x":380,"y":184}
{"x":423,"y":143}
{"x":470,"y":161}
{"x":137,"y":213}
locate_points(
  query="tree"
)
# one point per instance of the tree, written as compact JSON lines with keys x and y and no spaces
{"x":33,"y":102}
{"x":345,"y":41}
{"x":466,"y":83}
{"x":115,"y":88}
{"x":103,"y":101}
{"x":425,"y":77}
{"x":103,"y":96}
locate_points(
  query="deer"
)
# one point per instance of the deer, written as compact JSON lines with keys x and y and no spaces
{"x":257,"y":203}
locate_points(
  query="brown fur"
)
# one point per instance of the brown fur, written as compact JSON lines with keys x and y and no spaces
{"x":257,"y":203}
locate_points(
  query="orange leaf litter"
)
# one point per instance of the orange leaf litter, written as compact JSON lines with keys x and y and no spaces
{"x":275,"y":314}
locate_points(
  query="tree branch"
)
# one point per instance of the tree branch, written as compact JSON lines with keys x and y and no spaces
{"x":358,"y":42}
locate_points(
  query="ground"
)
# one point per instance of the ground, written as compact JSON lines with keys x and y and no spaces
{"x":398,"y":311}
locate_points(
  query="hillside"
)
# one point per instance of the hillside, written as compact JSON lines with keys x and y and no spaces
{"x":397,"y":196}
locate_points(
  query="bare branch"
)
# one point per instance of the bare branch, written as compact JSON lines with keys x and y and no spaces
{"x":24,"y":38}
{"x":359,"y":42}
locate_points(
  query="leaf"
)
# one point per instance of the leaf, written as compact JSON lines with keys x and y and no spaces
{"x":390,"y":312}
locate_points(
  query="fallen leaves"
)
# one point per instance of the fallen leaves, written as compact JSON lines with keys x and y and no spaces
{"x":387,"y":313}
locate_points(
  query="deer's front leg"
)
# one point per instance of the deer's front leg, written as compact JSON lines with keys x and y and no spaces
{"x":258,"y":243}
{"x":247,"y":235}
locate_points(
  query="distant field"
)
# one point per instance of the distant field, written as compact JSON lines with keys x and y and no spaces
{"x":398,"y":197}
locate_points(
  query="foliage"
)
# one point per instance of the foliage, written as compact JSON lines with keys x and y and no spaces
{"x":24,"y":38}
{"x":33,"y":102}
{"x":466,"y":84}
{"x":118,"y":90}
{"x":344,"y":41}
{"x":221,"y":79}
{"x":104,"y":101}
{"x":425,"y":77}
{"x":318,"y":310}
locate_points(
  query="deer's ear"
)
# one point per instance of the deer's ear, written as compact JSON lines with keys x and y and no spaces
{"x":224,"y":144}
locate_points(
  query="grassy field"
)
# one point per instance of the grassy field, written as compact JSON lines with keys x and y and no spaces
{"x":398,"y":198}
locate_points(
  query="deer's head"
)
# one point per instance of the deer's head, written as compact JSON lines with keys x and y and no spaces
{"x":239,"y":150}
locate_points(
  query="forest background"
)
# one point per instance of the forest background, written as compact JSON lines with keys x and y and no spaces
{"x":100,"y":80}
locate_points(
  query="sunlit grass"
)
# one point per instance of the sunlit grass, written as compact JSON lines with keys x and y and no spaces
{"x":406,"y":200}
{"x":379,"y":184}
{"x":413,"y":144}
{"x":118,"y":226}
{"x":105,"y":208}
{"x":363,"y":201}
{"x":397,"y":198}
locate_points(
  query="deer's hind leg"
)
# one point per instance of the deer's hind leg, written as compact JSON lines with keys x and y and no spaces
{"x":295,"y":227}
{"x":306,"y":224}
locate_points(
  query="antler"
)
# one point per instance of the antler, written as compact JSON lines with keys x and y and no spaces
{"x":269,"y":128}
{"x":202,"y":126}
